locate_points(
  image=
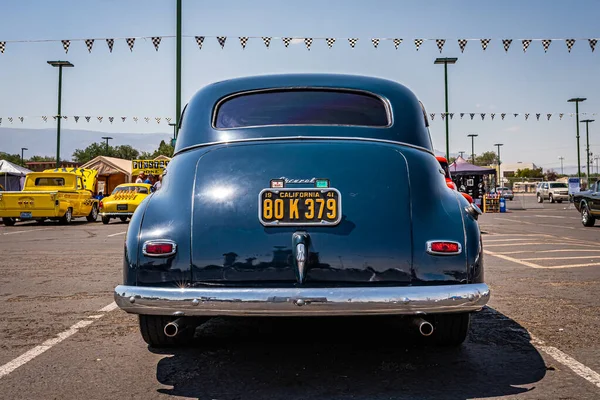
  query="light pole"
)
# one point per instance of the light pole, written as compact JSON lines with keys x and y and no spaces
{"x":461,"y":154}
{"x":178,"y":66}
{"x":446,"y":61}
{"x":587,"y":139}
{"x":561,"y":165}
{"x":60,"y":65}
{"x":22,"y":160}
{"x":597,"y":159}
{"x":499,"y":162}
{"x":577,"y":100}
{"x":107,"y":138}
{"x":473,"y":136}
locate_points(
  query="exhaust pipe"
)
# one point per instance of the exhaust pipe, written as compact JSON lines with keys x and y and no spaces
{"x":174,"y":327}
{"x":425,"y":327}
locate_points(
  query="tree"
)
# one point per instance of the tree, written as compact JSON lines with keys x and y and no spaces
{"x":13,"y":158}
{"x":92,"y":151}
{"x":125,"y":152}
{"x":164,"y":149}
{"x":487,"y":158}
{"x":529,"y":173}
{"x":551,"y":175}
{"x":42,"y":158}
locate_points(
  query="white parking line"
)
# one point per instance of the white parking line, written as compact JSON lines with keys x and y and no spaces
{"x":536,"y":266}
{"x":541,"y":244}
{"x":551,"y":251}
{"x":116,"y":234}
{"x":48,"y":344}
{"x":560,"y":258}
{"x":29,"y":230}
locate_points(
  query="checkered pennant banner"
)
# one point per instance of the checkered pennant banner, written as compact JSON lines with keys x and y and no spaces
{"x":287,"y":41}
{"x":502,"y":116}
{"x":482,"y":116}
{"x":506,"y":44}
{"x":156,"y":42}
{"x":110,"y":43}
{"x":243,"y":41}
{"x":21,"y":119}
{"x":352,"y":42}
{"x":462,"y":43}
{"x":147,"y":119}
{"x":76,"y":118}
{"x":462,"y":115}
{"x":111,"y":119}
{"x":397,"y":43}
{"x":157,"y":120}
{"x":537,"y":116}
{"x":526,"y":43}
{"x":570,"y":43}
{"x":45,"y":118}
{"x":266,"y":41}
{"x":548,"y":116}
{"x":485,"y":43}
{"x":65,"y":117}
{"x":593,"y":43}
{"x":100,"y":119}
{"x":55,"y":117}
{"x":432,"y":116}
{"x":168,"y":120}
{"x":87,"y":119}
{"x":135,"y":119}
{"x":418,"y":43}
{"x":0,"y":121}
{"x":130,"y":43}
{"x":546,"y":44}
{"x":472,"y":115}
{"x":221,"y":40}
{"x":516,"y":115}
{"x":199,"y":41}
{"x":375,"y":42}
{"x":451,"y":115}
{"x":492,"y":115}
{"x":440,"y":43}
{"x":330,"y":41}
{"x":89,"y":44}
{"x":560,"y":116}
{"x":308,"y":43}
{"x":10,"y":119}
{"x":2,"y":47}
{"x":526,"y":117}
{"x":66,"y":44}
{"x":123,"y":119}
{"x":443,"y":115}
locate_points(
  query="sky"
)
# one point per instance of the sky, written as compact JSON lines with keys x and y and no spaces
{"x":142,"y":82}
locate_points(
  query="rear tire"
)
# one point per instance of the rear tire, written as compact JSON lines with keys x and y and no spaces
{"x":123,"y":219}
{"x":68,"y":217}
{"x":93,"y":216}
{"x":450,"y":329}
{"x":152,"y":330}
{"x":586,"y":216}
{"x":105,"y":220}
{"x":8,"y":221}
{"x":539,"y":198}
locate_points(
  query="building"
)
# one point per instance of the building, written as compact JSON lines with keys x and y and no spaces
{"x":39,"y":166}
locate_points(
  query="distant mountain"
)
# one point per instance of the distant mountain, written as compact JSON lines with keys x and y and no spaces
{"x":42,"y":142}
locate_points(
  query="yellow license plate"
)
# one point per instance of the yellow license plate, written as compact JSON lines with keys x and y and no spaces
{"x":285,"y":207}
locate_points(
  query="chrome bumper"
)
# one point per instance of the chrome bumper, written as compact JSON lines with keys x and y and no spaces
{"x":302,"y":301}
{"x":116,"y":214}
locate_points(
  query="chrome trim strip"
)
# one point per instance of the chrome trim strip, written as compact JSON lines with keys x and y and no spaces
{"x":159,"y":241}
{"x":311,"y":189}
{"x":439,"y":253}
{"x":116,"y":214}
{"x":406,"y":300}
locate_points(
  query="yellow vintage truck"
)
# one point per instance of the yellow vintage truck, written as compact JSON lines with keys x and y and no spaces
{"x":57,"y":194}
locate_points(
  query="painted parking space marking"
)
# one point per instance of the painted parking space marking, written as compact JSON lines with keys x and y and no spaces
{"x":48,"y":344}
{"x":589,"y":257}
{"x":541,"y":244}
{"x":550,"y":251}
{"x":536,"y":266}
{"x":116,"y":234}
{"x":27,"y":231}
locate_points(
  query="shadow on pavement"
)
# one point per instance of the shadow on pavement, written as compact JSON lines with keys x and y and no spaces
{"x":362,"y":357}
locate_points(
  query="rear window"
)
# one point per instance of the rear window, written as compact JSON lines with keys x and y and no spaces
{"x":49,"y":182}
{"x":138,"y":189}
{"x":302,"y":107}
{"x":558,"y":185}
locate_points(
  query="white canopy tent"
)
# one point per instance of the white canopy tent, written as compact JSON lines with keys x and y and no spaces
{"x":12,"y":176}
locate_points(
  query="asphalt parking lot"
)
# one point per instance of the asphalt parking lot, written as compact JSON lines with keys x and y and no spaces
{"x":62,"y":338}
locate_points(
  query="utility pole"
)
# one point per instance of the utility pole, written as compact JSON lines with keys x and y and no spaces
{"x":22,"y":160}
{"x":178,"y":67}
{"x":577,"y":100}
{"x":107,"y":138}
{"x":499,"y":162}
{"x":473,"y":136}
{"x":461,"y":154}
{"x":60,"y":65}
{"x":561,"y":165}
{"x":587,"y":138}
{"x":446,"y":61}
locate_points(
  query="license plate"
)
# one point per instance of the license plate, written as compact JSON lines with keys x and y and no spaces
{"x":25,"y":215}
{"x":285,"y":207}
{"x":121,"y":207}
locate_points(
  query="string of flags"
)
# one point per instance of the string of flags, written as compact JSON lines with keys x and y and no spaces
{"x":432,"y":116}
{"x":308,"y":42}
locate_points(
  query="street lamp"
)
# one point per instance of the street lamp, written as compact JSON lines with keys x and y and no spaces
{"x":107,"y":138}
{"x":446,"y":61}
{"x":577,"y":100}
{"x":461,"y":154}
{"x":499,"y":162}
{"x":473,"y":136}
{"x":60,"y":65}
{"x":561,"y":165}
{"x":23,"y":161}
{"x":587,"y":137}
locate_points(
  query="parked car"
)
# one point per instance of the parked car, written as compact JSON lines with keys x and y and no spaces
{"x":449,"y":182}
{"x":56,"y":194}
{"x":504,"y":192}
{"x":303,"y":195}
{"x":588,"y":204}
{"x":552,"y":191}
{"x":123,"y":201}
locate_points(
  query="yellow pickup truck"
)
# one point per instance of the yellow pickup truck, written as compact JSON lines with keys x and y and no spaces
{"x":56,"y":194}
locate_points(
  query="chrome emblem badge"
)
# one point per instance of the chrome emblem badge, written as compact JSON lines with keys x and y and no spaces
{"x":300,"y":260}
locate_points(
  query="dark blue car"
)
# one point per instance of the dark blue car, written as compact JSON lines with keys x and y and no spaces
{"x":303,"y":195}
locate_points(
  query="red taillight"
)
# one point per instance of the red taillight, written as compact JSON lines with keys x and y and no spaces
{"x":443,"y":247}
{"x":159,"y":248}
{"x":101,"y":205}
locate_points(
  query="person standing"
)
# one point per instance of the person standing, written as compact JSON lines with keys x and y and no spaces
{"x":140,"y":178}
{"x":158,"y":183}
